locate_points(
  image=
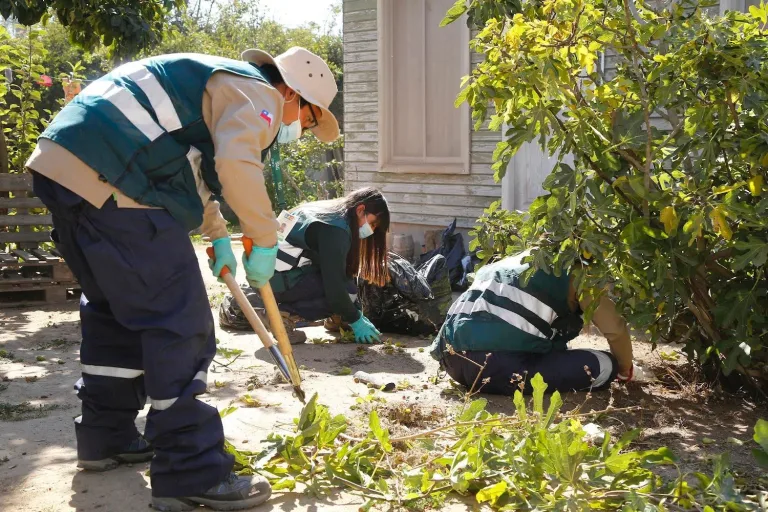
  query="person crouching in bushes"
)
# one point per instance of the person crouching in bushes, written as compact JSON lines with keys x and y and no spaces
{"x":510,"y":332}
{"x":332,"y":243}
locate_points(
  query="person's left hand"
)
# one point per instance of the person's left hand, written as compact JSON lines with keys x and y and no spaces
{"x":365,"y":331}
{"x":223,"y":257}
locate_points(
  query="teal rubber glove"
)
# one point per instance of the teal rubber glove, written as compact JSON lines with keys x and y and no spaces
{"x":260,"y":265}
{"x":365,"y":331}
{"x":222,"y":249}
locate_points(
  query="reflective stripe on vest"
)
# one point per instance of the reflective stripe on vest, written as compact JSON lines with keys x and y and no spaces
{"x":290,"y":257}
{"x":467,"y":306}
{"x":137,"y":115}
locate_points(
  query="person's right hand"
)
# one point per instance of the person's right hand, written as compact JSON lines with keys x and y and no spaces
{"x":365,"y":331}
{"x":224,"y":257}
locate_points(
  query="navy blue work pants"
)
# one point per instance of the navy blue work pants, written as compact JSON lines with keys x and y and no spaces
{"x":148,"y":333}
{"x":567,"y":370}
{"x":306,"y":298}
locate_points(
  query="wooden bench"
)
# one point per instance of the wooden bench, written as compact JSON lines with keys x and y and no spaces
{"x":31,"y":270}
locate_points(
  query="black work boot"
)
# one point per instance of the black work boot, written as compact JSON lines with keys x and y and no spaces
{"x":138,"y":451}
{"x":234,"y":493}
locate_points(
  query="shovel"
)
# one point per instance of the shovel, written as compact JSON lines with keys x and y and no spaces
{"x":277,"y":325}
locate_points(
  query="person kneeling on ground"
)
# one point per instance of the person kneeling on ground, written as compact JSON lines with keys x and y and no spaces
{"x":331,"y":243}
{"x":511,"y":332}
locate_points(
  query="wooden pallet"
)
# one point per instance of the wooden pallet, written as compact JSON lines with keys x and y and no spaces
{"x":17,"y":224}
{"x":29,"y":274}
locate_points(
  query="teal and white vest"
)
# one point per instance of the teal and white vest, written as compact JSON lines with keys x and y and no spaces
{"x":141,"y":128}
{"x":497,"y":313}
{"x":294,"y":252}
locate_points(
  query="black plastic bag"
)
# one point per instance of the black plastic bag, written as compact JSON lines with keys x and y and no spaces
{"x":230,"y":314}
{"x":408,"y":304}
{"x":459,"y":262}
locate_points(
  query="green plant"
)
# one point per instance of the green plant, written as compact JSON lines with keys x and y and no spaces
{"x":21,"y":119}
{"x":498,"y":233}
{"x":761,"y":438}
{"x":658,"y":189}
{"x":307,"y":173}
{"x":124,"y":26}
{"x":536,"y":460}
{"x":40,"y":359}
{"x":345,"y":370}
{"x":230,"y":354}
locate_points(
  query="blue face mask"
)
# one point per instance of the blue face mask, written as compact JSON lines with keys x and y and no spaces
{"x":365,"y":231}
{"x":289,"y":133}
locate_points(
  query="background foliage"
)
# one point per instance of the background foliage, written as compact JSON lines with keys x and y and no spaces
{"x":122,"y":26}
{"x":659,"y":189}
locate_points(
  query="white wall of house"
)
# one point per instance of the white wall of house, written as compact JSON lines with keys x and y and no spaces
{"x":402,"y":133}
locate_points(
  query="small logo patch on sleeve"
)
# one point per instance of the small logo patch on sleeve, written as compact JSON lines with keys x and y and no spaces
{"x":267,"y":116}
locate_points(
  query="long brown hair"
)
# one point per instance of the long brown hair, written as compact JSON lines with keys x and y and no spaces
{"x":368,"y":257}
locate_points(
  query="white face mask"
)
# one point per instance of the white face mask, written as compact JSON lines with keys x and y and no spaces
{"x":290,"y":132}
{"x":365,"y":231}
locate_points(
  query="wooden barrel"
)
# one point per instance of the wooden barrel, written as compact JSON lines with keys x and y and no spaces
{"x":403,"y":246}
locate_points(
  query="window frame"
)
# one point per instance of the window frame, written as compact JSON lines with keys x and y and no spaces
{"x":425,"y":164}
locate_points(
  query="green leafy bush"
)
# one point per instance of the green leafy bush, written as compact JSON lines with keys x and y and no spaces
{"x":658,"y":122}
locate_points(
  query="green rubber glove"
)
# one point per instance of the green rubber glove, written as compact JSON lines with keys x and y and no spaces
{"x":222,"y":249}
{"x":365,"y":331}
{"x":260,"y":265}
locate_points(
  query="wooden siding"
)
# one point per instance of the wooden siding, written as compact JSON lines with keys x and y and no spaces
{"x":424,"y":199}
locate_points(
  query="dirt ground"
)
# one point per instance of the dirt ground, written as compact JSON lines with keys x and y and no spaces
{"x":41,"y":363}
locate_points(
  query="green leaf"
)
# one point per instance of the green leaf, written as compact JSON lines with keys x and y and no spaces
{"x":761,"y":457}
{"x":661,"y":455}
{"x":307,"y":413}
{"x":492,"y":493}
{"x":539,"y":387}
{"x":287,"y":482}
{"x":519,"y":401}
{"x":625,"y":440}
{"x":761,"y":434}
{"x":555,"y":403}
{"x":454,"y":13}
{"x":381,"y":434}
{"x":618,"y":463}
{"x":226,"y":412}
{"x":475,"y":408}
{"x":759,"y":13}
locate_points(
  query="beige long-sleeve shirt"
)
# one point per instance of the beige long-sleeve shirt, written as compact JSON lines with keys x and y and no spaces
{"x":610,"y":323}
{"x":232,"y":107}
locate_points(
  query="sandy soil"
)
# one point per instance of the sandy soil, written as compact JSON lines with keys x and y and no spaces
{"x":37,"y":454}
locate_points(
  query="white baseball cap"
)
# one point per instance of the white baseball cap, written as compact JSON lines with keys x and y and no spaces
{"x":309,"y":75}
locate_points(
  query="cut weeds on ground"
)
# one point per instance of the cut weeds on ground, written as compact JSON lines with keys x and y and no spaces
{"x":538,"y":459}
